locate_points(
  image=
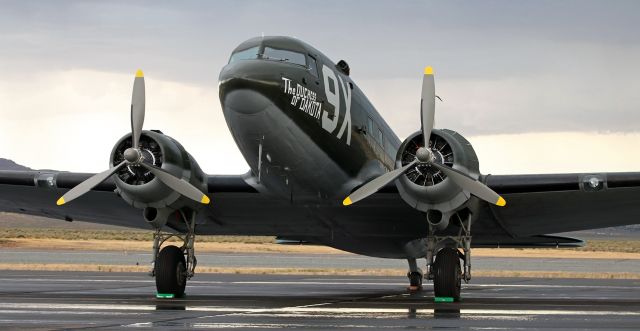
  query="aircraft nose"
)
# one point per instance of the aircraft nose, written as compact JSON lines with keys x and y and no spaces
{"x":243,"y":88}
{"x":244,"y":101}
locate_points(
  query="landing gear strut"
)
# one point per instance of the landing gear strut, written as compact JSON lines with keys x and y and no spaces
{"x":169,"y":266}
{"x":443,"y":261}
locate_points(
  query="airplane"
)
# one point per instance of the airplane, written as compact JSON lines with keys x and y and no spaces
{"x":325,"y":168}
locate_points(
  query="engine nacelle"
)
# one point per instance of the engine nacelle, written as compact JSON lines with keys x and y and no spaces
{"x":139,"y":188}
{"x":425,"y":187}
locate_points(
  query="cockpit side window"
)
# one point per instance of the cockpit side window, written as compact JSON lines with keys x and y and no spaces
{"x":247,"y":54}
{"x":313,"y":67}
{"x":284,"y":55}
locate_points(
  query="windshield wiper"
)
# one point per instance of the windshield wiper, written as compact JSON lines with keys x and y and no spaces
{"x":262,"y":56}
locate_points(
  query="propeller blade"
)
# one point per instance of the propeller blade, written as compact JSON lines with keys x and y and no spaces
{"x":427,"y":104}
{"x":471,"y":185}
{"x":375,"y":185}
{"x":88,"y":184}
{"x":137,"y":108}
{"x":177,"y":184}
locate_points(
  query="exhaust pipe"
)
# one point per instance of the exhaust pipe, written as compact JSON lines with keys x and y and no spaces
{"x":157,"y":217}
{"x":437,"y":220}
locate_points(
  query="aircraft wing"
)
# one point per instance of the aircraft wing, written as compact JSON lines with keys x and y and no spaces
{"x":543,"y":204}
{"x":36,"y":192}
{"x":536,"y":205}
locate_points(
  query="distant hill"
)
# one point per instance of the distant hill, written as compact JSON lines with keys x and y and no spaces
{"x":10,"y":165}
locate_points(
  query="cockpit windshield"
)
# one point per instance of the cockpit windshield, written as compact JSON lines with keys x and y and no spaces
{"x":247,"y":54}
{"x":271,"y":54}
{"x":284,"y":55}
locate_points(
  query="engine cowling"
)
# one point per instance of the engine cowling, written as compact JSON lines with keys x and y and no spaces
{"x":425,"y":187}
{"x":139,"y":188}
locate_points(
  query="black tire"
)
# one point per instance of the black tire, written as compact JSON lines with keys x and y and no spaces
{"x":447,"y":274}
{"x":170,"y":270}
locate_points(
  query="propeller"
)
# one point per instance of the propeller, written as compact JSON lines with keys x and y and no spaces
{"x":424,"y":155}
{"x":133,"y":156}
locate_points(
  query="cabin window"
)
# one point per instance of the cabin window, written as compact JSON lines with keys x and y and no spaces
{"x":313,"y":68}
{"x":247,"y":54}
{"x":332,"y":85}
{"x":370,"y":125}
{"x":284,"y":55}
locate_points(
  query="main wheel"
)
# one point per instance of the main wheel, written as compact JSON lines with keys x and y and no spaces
{"x":447,"y":274}
{"x":415,"y":279}
{"x":170,"y":270}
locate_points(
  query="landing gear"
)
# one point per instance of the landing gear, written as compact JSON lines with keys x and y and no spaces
{"x":415,"y":276}
{"x":443,"y":261}
{"x":169,"y":265}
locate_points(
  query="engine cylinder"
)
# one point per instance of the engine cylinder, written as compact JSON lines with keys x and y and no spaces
{"x":139,"y":187}
{"x":426,"y":188}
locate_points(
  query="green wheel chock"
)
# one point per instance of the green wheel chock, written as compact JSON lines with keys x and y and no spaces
{"x":442,"y":299}
{"x":164,"y":295}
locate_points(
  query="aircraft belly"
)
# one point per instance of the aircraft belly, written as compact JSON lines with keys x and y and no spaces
{"x":292,"y":165}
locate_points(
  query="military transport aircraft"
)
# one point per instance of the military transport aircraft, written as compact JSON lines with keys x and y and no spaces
{"x":325,"y":169}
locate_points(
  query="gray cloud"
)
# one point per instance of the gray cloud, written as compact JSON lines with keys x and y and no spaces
{"x":502,"y":66}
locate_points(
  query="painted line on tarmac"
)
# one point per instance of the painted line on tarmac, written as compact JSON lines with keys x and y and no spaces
{"x":404,"y":284}
{"x":395,"y":284}
{"x":306,"y":309}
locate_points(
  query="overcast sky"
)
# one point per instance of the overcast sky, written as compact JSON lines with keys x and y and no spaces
{"x":537,"y":86}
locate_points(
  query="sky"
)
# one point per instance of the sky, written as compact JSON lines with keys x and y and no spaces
{"x":536,"y":86}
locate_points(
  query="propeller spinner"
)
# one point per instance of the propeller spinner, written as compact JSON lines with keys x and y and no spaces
{"x":425,"y":156}
{"x":134,"y":156}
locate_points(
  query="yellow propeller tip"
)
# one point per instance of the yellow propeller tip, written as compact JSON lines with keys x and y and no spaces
{"x":139,"y":73}
{"x":205,"y":200}
{"x":501,"y":202}
{"x":60,"y":201}
{"x":428,"y":70}
{"x":346,"y":201}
